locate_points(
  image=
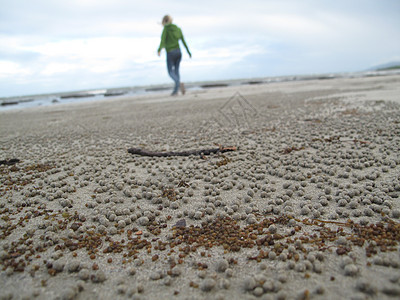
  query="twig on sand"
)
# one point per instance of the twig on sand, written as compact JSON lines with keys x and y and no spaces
{"x":202,"y":152}
{"x":291,"y":149}
{"x":9,"y":162}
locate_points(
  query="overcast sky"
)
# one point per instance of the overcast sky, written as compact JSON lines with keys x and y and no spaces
{"x":52,"y":45}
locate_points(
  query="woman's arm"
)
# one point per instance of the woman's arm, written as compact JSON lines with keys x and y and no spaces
{"x":162,"y":43}
{"x":187,"y":48}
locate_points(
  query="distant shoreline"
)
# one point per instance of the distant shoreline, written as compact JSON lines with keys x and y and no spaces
{"x":390,"y":68}
{"x":28,"y":101}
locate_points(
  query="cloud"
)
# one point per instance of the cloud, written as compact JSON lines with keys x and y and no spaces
{"x":8,"y":68}
{"x":137,"y":49}
{"x":58,"y":68}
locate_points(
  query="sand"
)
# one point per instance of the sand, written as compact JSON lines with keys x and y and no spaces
{"x":307,"y":207}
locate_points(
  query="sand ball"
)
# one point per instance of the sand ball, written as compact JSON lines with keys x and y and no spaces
{"x":143,"y":221}
{"x":73,"y":266}
{"x":350,"y":270}
{"x":249,"y":283}
{"x":396,"y":213}
{"x":221,"y":265}
{"x":155,"y":276}
{"x":207,"y":285}
{"x":176,"y":272}
{"x":300,"y":267}
{"x":364,"y":286}
{"x":251,"y":219}
{"x":58,"y":265}
{"x":229,"y":272}
{"x":258,"y":291}
{"x":268,"y":286}
{"x":224,"y":283}
{"x":84,"y":274}
{"x":271,"y":255}
{"x":132,"y":271}
{"x":272,"y":228}
{"x":112,"y":230}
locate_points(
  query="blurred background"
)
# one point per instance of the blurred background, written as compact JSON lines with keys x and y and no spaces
{"x":49,"y":46}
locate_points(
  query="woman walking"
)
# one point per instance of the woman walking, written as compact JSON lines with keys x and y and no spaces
{"x":170,"y":41}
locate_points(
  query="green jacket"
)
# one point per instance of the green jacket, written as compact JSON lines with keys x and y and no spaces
{"x":170,"y":38}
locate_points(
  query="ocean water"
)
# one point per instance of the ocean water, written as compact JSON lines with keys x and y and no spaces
{"x":26,"y":102}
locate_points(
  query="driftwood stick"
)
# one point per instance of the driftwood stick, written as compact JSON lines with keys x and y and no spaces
{"x":9,"y":162}
{"x":143,"y":152}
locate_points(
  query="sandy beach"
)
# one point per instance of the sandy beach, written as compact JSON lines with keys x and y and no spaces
{"x":304,"y":206}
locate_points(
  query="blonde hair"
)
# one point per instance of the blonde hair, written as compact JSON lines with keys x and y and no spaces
{"x":166,"y":20}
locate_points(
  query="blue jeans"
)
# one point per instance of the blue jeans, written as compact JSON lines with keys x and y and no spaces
{"x":173,"y":60}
